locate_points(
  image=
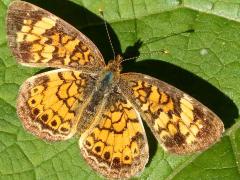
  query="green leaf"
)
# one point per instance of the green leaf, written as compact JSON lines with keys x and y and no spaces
{"x":197,"y":44}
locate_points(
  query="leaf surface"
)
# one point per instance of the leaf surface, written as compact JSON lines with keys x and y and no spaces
{"x":197,"y":44}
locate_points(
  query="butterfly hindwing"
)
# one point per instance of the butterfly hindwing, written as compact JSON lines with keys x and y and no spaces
{"x":39,"y":38}
{"x":116,"y":146}
{"x":180,"y":123}
{"x":49,"y":104}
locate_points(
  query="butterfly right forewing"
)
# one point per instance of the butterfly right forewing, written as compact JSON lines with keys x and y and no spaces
{"x":180,"y":123}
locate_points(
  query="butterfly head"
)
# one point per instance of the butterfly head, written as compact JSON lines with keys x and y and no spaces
{"x":115,"y":65}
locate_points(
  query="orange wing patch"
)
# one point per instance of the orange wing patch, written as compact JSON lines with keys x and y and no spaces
{"x":38,"y":38}
{"x":49,"y":103}
{"x":116,"y":146}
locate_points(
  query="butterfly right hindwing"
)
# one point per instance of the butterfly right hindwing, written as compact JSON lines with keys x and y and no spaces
{"x":116,"y":146}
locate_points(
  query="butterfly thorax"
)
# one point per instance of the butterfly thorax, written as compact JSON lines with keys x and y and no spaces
{"x":110,"y":75}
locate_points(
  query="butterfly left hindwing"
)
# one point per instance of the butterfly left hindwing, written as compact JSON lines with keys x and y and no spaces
{"x":49,"y":104}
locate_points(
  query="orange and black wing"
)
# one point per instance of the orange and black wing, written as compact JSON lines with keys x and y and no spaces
{"x":116,"y":146}
{"x":39,"y":38}
{"x":180,"y":123}
{"x":50,"y":104}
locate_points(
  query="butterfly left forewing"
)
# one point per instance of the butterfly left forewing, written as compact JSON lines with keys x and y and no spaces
{"x":180,"y":123}
{"x":116,"y":146}
{"x":39,"y":38}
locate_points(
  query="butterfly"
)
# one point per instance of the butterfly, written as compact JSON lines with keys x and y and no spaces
{"x":105,"y":107}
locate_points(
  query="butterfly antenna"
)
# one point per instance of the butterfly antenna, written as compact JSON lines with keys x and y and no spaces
{"x":131,"y":58}
{"x":145,"y":54}
{"x":109,"y":38}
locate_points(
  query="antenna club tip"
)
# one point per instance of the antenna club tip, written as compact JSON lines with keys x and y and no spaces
{"x":100,"y":11}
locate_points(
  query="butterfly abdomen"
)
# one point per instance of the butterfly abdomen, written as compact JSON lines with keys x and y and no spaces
{"x":103,"y":88}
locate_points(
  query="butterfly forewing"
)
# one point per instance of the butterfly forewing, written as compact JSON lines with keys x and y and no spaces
{"x":180,"y":123}
{"x":50,"y":103}
{"x":39,"y":38}
{"x":116,"y":146}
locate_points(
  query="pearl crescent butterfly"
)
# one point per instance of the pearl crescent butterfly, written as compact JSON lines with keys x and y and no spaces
{"x":84,"y":96}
